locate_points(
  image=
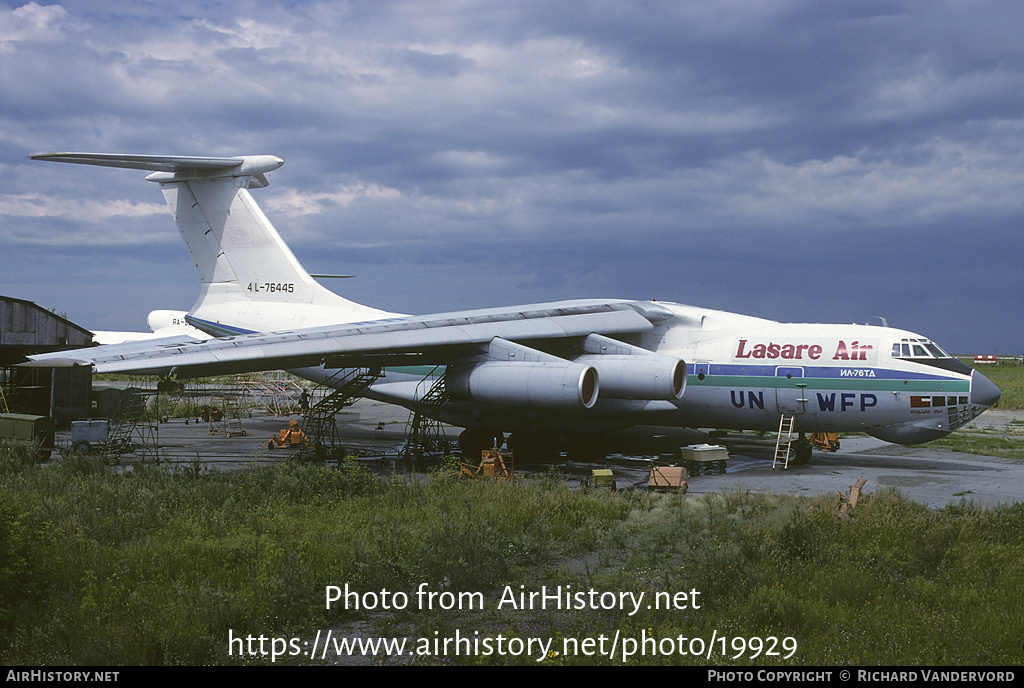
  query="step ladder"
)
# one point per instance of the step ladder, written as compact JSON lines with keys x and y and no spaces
{"x":320,"y":425}
{"x":424,"y":433}
{"x":784,"y":441}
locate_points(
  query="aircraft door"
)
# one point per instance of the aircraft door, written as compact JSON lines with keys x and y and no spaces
{"x":790,"y":390}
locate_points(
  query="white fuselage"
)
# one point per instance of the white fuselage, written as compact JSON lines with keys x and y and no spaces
{"x":534,"y":368}
{"x":742,"y":373}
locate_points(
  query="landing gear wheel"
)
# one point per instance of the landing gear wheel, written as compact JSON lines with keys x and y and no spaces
{"x":523,"y":445}
{"x":586,"y":449}
{"x":473,"y":441}
{"x":801,"y":452}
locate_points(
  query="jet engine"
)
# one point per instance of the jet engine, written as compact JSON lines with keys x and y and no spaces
{"x":549,"y":384}
{"x":629,"y":372}
{"x":639,"y":377}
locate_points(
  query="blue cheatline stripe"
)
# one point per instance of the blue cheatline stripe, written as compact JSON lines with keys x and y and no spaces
{"x":819,"y":372}
{"x":763,"y":377}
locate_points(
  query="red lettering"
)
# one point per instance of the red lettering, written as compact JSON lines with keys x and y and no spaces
{"x":789,"y":352}
{"x":841,"y":352}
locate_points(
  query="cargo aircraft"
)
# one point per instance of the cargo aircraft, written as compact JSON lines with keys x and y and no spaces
{"x":573,"y":370}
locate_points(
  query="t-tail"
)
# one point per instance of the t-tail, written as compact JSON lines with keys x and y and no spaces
{"x":250,"y":281}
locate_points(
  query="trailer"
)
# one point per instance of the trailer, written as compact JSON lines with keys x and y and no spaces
{"x":668,"y":479}
{"x":22,"y":426}
{"x":704,"y":458}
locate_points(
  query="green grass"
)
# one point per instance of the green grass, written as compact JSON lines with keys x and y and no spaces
{"x":155,"y":567}
{"x":1008,"y":444}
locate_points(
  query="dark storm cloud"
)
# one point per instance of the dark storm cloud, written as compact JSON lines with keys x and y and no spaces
{"x":797,"y":160}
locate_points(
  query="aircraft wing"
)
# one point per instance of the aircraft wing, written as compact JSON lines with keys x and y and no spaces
{"x":408,"y":340}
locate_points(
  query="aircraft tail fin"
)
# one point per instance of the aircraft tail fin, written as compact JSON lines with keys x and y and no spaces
{"x":249,"y":278}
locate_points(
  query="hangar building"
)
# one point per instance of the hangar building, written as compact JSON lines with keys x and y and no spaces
{"x":63,"y":393}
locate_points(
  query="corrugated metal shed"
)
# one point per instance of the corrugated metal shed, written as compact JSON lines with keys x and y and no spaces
{"x":25,"y":329}
{"x":24,"y":324}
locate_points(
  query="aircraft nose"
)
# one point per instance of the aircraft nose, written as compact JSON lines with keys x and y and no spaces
{"x":983,"y":392}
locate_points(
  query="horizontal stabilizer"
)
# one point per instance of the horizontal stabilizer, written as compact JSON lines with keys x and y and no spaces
{"x":168,"y":168}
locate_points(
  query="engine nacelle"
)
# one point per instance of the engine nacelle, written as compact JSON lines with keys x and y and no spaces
{"x":561,"y":385}
{"x":639,"y":377}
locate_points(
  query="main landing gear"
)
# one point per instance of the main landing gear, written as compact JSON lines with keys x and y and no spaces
{"x":801,"y":451}
{"x":473,"y":441}
{"x":528,"y":445}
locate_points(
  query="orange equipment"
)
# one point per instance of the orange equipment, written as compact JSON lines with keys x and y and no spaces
{"x":290,"y":437}
{"x":670,"y":478}
{"x":494,"y":463}
{"x":825,"y":441}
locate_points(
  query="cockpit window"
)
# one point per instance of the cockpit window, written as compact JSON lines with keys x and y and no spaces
{"x":928,"y":353}
{"x":917,"y":348}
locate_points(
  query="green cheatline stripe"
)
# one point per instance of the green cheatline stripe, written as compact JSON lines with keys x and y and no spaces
{"x":876,"y":385}
{"x":765,"y":382}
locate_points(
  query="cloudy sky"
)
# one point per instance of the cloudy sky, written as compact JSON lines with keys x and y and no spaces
{"x":797,"y":160}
